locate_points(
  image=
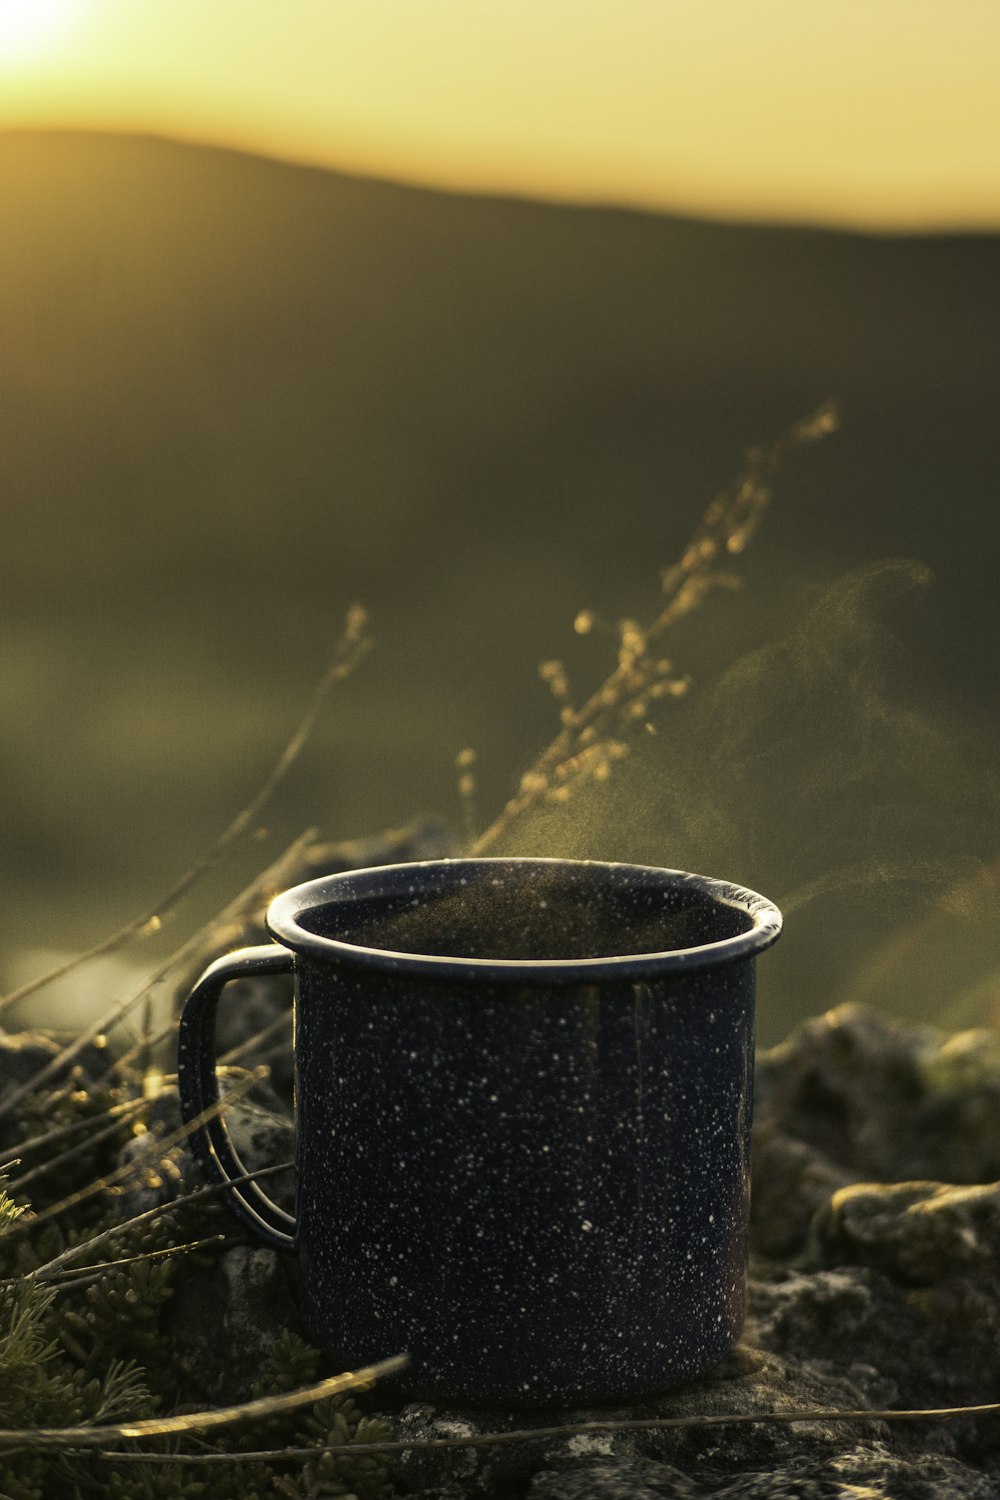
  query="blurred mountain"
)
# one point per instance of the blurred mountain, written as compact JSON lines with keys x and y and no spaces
{"x":235,"y":395}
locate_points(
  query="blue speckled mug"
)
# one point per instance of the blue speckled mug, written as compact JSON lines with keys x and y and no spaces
{"x":523,"y":1101}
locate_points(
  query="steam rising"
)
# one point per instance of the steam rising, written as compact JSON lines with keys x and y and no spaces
{"x":816,"y":771}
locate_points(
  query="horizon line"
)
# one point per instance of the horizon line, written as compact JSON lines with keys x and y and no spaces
{"x":678,"y":209}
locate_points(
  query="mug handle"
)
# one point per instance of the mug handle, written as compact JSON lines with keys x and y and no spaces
{"x":198,"y":1087}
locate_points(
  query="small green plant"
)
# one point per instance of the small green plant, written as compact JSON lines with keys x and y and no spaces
{"x":84,"y":1350}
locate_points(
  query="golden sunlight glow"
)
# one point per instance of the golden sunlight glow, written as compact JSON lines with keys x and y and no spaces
{"x":877,"y":112}
{"x":30,"y":26}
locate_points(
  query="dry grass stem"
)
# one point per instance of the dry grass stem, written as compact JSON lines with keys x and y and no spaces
{"x":116,"y":1232}
{"x":594,"y":736}
{"x":83,"y":1275}
{"x":159,"y":1146}
{"x":19,"y":1184}
{"x":121,"y":1112}
{"x":201,"y":1421}
{"x":268,"y":883}
{"x":578,"y":1429}
{"x":255,"y":1043}
{"x":353,"y":645}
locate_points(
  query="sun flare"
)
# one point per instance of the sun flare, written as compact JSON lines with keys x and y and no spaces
{"x":28,"y":27}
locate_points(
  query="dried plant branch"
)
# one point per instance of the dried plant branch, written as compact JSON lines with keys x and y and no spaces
{"x":83,"y":1275}
{"x":269,"y":881}
{"x":53,"y":1268}
{"x":593,"y":737}
{"x":254,"y":1043}
{"x":122,"y":1113}
{"x":159,"y":1146}
{"x":19,"y":1184}
{"x":577,"y":1429}
{"x":353,"y":645}
{"x":201,"y":1421}
{"x":121,"y":1068}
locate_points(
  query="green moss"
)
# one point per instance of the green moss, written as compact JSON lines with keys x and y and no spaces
{"x":92,"y":1346}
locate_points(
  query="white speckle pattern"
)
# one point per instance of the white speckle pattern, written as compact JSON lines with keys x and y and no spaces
{"x":533,"y":1178}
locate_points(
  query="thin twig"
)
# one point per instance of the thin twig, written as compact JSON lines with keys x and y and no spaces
{"x":121,"y":1068}
{"x":120,"y":1231}
{"x":193,"y":946}
{"x":83,"y":1275}
{"x":19,"y":1184}
{"x":253,"y":1044}
{"x":270,"y":1054}
{"x":570,"y":1429}
{"x":200,"y":1421}
{"x":139,"y":1163}
{"x":121,"y":1112}
{"x":352,"y":646}
{"x":276,"y":877}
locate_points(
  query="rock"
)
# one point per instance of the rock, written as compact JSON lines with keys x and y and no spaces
{"x":156,"y":1177}
{"x":255,"y":1026}
{"x":883,"y":1102}
{"x":609,"y":1479}
{"x":921,"y":1232}
{"x":225,"y":1318}
{"x":265,"y":1137}
{"x":791,"y":1181}
{"x":806,"y":1317}
{"x":749,"y":1380}
{"x":866,"y":1472}
{"x":230,"y":1302}
{"x":262,"y":1133}
{"x":849,"y":1085}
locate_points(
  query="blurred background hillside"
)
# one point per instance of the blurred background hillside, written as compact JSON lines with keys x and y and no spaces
{"x":238,"y":393}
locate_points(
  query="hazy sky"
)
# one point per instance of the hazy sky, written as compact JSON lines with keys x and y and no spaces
{"x":884,"y":112}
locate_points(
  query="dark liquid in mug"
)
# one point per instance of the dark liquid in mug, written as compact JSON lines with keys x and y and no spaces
{"x":541,"y":915}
